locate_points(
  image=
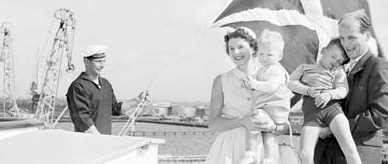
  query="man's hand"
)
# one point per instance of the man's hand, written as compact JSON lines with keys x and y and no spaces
{"x":322,"y":99}
{"x":314,"y":91}
{"x":316,"y":80}
{"x":324,"y":132}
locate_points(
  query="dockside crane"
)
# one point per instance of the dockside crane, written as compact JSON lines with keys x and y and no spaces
{"x":61,"y":46}
{"x":9,"y":95}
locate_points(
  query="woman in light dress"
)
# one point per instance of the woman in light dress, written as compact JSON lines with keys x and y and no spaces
{"x":230,"y":98}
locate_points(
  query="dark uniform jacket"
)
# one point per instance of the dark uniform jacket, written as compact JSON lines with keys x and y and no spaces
{"x":366,"y":107}
{"x":90,"y":105}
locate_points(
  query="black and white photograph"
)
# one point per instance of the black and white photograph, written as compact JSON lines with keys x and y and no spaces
{"x":193,"y":82}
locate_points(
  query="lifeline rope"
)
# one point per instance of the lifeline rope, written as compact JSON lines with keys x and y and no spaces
{"x":131,"y":121}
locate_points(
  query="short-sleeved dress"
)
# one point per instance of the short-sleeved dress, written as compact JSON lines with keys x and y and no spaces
{"x":229,"y":146}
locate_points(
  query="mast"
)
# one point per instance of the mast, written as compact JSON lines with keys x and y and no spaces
{"x":62,"y":45}
{"x":9,"y":99}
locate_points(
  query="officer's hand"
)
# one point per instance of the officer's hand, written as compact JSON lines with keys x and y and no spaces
{"x":143,"y":95}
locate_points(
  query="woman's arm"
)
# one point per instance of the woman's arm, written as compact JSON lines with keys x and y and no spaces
{"x":216,"y":122}
{"x":272,"y":127}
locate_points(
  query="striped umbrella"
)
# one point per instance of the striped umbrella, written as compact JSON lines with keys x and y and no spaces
{"x":306,"y":25}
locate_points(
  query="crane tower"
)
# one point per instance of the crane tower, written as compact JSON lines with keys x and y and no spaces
{"x":9,"y":99}
{"x":61,"y":46}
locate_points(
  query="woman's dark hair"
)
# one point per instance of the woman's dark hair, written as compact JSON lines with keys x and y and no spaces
{"x":336,"y":42}
{"x":243,"y":33}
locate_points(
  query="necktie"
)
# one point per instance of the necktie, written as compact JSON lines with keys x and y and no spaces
{"x":351,"y":65}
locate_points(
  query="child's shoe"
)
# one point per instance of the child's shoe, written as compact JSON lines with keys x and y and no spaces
{"x":249,"y":158}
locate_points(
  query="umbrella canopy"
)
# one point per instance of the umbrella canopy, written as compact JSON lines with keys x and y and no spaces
{"x":306,"y":25}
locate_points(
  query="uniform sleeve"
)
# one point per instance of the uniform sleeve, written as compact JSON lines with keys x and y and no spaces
{"x":116,"y":106}
{"x":376,"y":116}
{"x":295,"y":85}
{"x":341,"y":87}
{"x":276,"y":77}
{"x":79,"y":107}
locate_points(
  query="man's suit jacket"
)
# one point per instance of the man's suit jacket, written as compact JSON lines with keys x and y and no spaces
{"x":366,"y":105}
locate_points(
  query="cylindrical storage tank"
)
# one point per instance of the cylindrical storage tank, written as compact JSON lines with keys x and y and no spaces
{"x":166,"y":106}
{"x":159,"y":111}
{"x":13,"y":126}
{"x":188,"y":111}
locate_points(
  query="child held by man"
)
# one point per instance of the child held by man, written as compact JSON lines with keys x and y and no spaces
{"x":321,"y":103}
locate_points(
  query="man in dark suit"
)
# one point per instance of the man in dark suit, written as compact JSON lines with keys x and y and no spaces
{"x":366,"y":105}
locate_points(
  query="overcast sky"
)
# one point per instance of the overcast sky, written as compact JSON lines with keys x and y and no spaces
{"x":165,"y":45}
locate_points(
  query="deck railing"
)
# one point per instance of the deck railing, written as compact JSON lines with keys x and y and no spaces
{"x":200,"y":159}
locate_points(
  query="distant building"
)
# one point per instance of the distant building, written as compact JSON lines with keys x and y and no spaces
{"x":160,"y":109}
{"x":201,"y":111}
{"x":384,"y":153}
{"x":296,"y":118}
{"x":184,"y":111}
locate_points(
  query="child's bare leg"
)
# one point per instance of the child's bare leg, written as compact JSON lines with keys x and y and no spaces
{"x":258,"y":145}
{"x":250,"y":148}
{"x":341,"y":130}
{"x":308,"y":140}
{"x":252,"y":141}
{"x":248,"y":141}
{"x":269,"y":147}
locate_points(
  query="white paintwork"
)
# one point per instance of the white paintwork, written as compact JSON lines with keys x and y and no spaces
{"x":64,"y":147}
{"x":141,"y":156}
{"x":13,"y":132}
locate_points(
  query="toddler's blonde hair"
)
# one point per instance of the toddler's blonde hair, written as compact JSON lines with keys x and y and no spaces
{"x":271,"y":40}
